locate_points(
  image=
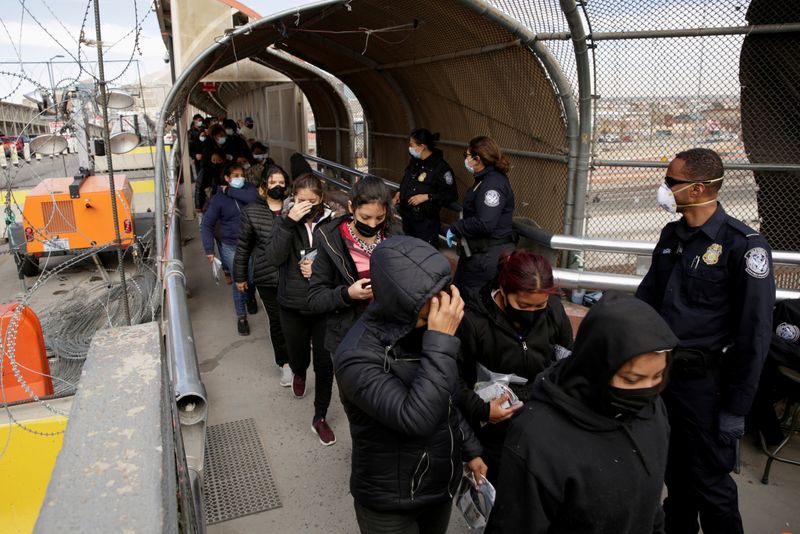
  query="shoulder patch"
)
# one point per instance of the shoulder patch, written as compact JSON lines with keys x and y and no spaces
{"x":491,"y":198}
{"x":448,"y":178}
{"x":789,"y":332}
{"x":757,"y":262}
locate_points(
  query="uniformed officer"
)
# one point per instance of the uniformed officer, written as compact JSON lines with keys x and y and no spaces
{"x":711,"y":279}
{"x":485,"y":230}
{"x":427,"y":186}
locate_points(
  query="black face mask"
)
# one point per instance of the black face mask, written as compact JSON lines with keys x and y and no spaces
{"x":367,"y":230}
{"x":311,"y":215}
{"x":276,"y":192}
{"x":526,"y":319}
{"x":629,"y":402}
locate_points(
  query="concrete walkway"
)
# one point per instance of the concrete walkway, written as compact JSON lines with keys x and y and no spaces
{"x":242,"y":382}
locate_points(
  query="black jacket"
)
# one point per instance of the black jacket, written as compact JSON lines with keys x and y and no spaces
{"x":333,"y":272}
{"x":399,"y":387}
{"x":432,"y":176}
{"x":570,"y":465}
{"x":255,"y":235}
{"x":489,"y":337}
{"x":290,"y":242}
{"x":488,"y":207}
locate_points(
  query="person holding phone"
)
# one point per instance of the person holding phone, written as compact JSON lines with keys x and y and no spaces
{"x":292,"y":250}
{"x":340,"y":278}
{"x":398,"y":378}
{"x":517,"y":325}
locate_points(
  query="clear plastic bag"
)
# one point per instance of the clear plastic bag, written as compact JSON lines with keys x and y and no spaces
{"x":491,"y":386}
{"x":475,"y":502}
{"x":216,"y":270}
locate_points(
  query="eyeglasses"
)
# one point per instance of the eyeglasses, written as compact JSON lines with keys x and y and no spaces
{"x":671,"y":182}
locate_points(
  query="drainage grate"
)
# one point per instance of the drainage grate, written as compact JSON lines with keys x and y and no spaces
{"x":237,"y":479}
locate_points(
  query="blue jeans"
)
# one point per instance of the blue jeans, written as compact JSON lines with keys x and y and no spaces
{"x":240,"y":300}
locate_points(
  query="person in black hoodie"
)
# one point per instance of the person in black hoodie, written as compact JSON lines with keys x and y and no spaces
{"x":340,"y":284}
{"x":255,"y":235}
{"x":428,"y":185}
{"x":398,"y":378}
{"x":292,"y":249}
{"x":587,"y":454}
{"x":515,"y":324}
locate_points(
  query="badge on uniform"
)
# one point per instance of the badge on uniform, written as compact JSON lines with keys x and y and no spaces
{"x":787,"y":331}
{"x":757,"y":262}
{"x":491,"y":198}
{"x":448,"y":178}
{"x":422,"y":176}
{"x":713,"y":252}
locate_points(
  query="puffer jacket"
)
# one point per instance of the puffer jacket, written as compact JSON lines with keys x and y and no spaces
{"x":334,"y":271}
{"x":400,"y":389}
{"x":255,"y":233}
{"x":290,"y":242}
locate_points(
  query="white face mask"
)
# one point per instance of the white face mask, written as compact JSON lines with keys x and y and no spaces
{"x":203,"y":138}
{"x":259,"y":157}
{"x":666,"y":198}
{"x":466,"y":166}
{"x":245,"y":166}
{"x":229,"y":131}
{"x":415,"y":153}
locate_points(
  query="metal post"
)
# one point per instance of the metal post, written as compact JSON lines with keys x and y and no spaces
{"x":111,"y":186}
{"x":52,"y":83}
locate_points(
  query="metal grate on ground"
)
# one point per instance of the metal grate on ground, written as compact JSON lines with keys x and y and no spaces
{"x":238,"y":480}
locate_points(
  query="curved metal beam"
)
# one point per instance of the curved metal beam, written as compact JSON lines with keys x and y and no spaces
{"x":559,"y":80}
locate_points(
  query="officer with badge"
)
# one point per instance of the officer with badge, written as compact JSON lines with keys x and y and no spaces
{"x":711,"y":279}
{"x":427,"y":186}
{"x":485,"y":231}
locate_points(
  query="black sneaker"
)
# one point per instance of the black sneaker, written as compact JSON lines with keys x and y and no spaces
{"x":243,"y":326}
{"x":252,"y":307}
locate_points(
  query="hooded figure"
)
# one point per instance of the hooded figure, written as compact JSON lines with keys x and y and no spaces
{"x":399,"y":388}
{"x":589,"y":451}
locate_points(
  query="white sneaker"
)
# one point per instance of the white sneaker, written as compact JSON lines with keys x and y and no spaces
{"x":286,"y":376}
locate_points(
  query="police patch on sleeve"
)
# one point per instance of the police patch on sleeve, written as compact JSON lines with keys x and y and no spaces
{"x":787,"y":331}
{"x":757,"y":262}
{"x":491,"y":198}
{"x":448,"y":178}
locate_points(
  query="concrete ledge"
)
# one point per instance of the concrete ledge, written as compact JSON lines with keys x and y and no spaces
{"x":116,"y":469}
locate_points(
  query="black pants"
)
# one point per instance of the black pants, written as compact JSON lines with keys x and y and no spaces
{"x":699,"y":464}
{"x":425,"y":229}
{"x":475,"y":271}
{"x":301,"y":332}
{"x":429,"y":520}
{"x":269,"y":296}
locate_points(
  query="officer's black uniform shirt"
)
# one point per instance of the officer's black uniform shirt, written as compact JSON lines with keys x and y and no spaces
{"x":431,"y":176}
{"x":714,"y":285}
{"x":488,"y":207}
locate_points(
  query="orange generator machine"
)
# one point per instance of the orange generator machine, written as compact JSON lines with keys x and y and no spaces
{"x":71,"y":216}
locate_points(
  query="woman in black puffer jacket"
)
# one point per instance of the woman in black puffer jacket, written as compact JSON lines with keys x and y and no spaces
{"x":340,"y":279}
{"x":255,"y":234}
{"x":398,"y":378}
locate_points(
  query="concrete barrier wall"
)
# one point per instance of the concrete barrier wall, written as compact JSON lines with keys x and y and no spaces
{"x":116,"y":470}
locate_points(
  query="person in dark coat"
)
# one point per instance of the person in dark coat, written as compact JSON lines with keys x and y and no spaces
{"x":255,"y":235}
{"x":514,"y":325}
{"x":427,"y":186}
{"x":226,"y":207}
{"x":340,"y":281}
{"x":485,"y":231}
{"x":292,"y":249}
{"x":587,"y":454}
{"x":398,"y":378}
{"x":236,"y":145}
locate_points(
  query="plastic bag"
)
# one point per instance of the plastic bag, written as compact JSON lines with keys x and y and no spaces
{"x":559,"y":352}
{"x":216,"y":270}
{"x":475,"y":502}
{"x":491,"y":386}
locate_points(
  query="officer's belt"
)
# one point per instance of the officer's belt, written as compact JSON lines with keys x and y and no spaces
{"x":687,"y":359}
{"x":482,"y":244}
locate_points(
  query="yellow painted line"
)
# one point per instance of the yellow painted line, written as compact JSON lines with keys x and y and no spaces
{"x":147,"y":150}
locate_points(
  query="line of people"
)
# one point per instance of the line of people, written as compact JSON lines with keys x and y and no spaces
{"x":586,"y":443}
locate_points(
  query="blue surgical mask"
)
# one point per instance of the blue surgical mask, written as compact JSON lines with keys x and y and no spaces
{"x":237,"y":182}
{"x":414,"y":152}
{"x":222,"y":140}
{"x":466,"y":166}
{"x":203,"y":138}
{"x":259,"y":157}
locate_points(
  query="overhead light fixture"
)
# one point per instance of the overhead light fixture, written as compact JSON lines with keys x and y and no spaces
{"x":48,"y":144}
{"x":117,"y":99}
{"x":123,"y":142}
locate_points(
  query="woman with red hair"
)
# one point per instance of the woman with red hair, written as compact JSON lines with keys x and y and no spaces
{"x":517,"y":325}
